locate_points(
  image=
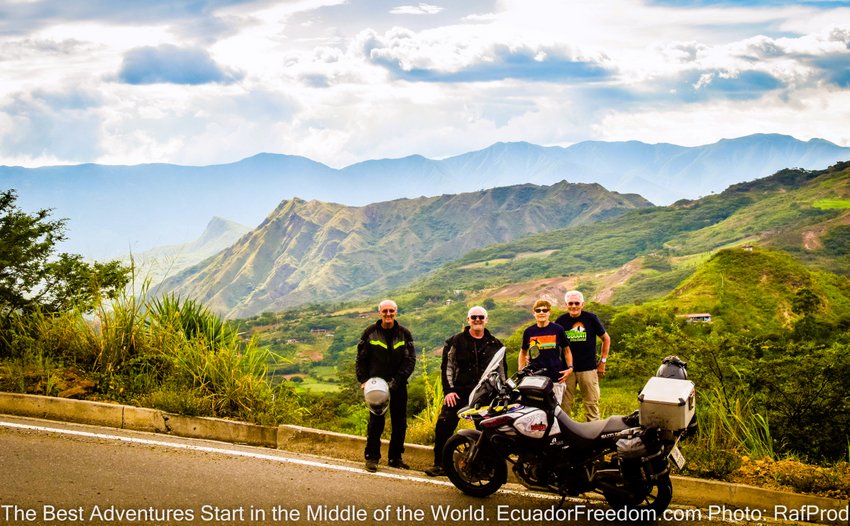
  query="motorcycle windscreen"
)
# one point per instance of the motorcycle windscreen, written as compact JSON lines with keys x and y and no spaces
{"x":484,"y":387}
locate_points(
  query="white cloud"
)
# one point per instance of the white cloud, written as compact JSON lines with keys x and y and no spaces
{"x":172,"y":64}
{"x":825,"y":110}
{"x":343,"y":82}
{"x":67,"y":121}
{"x":419,"y":9}
{"x":202,"y":125}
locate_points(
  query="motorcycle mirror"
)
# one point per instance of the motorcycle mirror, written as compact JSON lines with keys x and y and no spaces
{"x":533,"y":352}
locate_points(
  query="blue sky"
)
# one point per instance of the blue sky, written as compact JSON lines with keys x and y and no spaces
{"x":215,"y":81}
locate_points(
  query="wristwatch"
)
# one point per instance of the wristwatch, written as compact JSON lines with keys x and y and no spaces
{"x":603,"y":360}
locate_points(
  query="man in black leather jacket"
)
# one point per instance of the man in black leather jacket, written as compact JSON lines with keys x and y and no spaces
{"x":386,"y":351}
{"x":465,"y":357}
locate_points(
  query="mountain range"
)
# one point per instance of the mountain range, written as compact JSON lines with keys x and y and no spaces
{"x":312,"y":251}
{"x":115,"y":210}
{"x":644,"y":254}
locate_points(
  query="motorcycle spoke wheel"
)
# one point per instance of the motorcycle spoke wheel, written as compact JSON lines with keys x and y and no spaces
{"x":656,"y":499}
{"x":482,"y":478}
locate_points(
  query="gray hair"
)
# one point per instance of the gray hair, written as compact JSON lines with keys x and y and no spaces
{"x":574,"y":293}
{"x":380,"y":305}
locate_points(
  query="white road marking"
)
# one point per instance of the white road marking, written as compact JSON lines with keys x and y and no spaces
{"x":250,"y":454}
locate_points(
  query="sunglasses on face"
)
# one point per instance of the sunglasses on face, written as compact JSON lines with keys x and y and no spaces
{"x":476,"y":317}
{"x":573,"y":303}
{"x":541,"y":310}
{"x":388,"y":311}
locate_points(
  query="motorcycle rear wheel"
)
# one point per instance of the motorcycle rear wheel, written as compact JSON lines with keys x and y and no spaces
{"x":656,"y":499}
{"x":479,"y":479}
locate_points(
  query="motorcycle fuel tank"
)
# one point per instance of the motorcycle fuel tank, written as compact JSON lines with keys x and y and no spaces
{"x":534,"y":424}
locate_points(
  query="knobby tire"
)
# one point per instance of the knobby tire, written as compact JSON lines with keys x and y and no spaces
{"x":483,"y":478}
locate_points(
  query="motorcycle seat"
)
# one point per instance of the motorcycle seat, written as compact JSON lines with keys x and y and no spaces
{"x":590,"y":430}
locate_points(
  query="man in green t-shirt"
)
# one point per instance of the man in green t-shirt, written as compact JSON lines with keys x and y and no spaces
{"x":583,"y":328}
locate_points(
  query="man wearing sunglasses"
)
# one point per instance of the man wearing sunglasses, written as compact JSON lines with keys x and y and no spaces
{"x":554,"y":358}
{"x":386,"y":351}
{"x":583,"y":328}
{"x":465,"y":357}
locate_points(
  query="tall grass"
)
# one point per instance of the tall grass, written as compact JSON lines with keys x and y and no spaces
{"x":117,"y":334}
{"x":165,"y":352}
{"x":735,"y":425}
{"x":191,"y":318}
{"x":421,"y":429}
{"x":619,"y":396}
{"x":728,"y":431}
{"x":39,"y":345}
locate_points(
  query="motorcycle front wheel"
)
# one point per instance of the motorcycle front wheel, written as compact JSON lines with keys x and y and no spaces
{"x":480,"y":478}
{"x":656,"y":497}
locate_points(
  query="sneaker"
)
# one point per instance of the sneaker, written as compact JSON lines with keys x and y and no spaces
{"x":435,"y":471}
{"x":398,"y":463}
{"x":371,"y":465}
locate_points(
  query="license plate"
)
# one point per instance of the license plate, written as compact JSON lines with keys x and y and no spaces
{"x":678,"y":457}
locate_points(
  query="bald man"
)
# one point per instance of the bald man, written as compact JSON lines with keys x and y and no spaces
{"x":386,"y":351}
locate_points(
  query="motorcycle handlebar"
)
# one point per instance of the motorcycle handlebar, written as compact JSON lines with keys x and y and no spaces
{"x":527,"y":371}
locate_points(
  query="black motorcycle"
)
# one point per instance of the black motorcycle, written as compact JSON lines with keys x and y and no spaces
{"x":518,"y":421}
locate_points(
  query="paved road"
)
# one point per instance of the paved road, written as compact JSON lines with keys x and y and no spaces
{"x":54,"y":473}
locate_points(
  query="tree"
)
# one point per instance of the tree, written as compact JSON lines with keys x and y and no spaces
{"x":32,"y":276}
{"x":806,"y":303}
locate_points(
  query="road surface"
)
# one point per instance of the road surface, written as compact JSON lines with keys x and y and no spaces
{"x":67,"y":474}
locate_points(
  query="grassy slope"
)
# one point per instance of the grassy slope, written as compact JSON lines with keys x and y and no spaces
{"x":755,"y":291}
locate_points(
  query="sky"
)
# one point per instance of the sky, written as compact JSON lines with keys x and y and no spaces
{"x":215,"y":81}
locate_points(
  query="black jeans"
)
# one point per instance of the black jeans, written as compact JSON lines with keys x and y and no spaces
{"x":398,"y":419}
{"x":446,"y":425}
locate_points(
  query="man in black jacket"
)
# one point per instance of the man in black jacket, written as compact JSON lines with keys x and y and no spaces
{"x":465,"y":356}
{"x":386,"y":351}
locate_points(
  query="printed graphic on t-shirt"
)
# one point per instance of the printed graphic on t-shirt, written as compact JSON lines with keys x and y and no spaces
{"x":546,"y":341}
{"x":577,"y":333}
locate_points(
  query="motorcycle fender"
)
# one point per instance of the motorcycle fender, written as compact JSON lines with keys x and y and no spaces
{"x":475,"y":436}
{"x":471,"y":433}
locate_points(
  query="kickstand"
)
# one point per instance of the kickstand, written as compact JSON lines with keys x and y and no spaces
{"x":561,"y":504}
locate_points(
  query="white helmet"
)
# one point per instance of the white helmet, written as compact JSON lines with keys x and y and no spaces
{"x":377,"y":395}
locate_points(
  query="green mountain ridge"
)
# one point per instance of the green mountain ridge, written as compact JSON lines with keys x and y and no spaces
{"x":780,"y":212}
{"x":309,"y":251}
